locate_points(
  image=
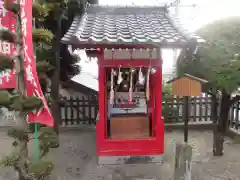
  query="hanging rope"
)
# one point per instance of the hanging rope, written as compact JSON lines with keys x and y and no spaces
{"x":140,"y":77}
{"x":119,"y":76}
{"x":111,"y":99}
{"x":148,"y":77}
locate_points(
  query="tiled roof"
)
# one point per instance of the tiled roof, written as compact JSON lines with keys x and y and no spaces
{"x":127,"y":25}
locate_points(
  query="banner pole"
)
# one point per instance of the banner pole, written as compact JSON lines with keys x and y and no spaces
{"x":36,"y":142}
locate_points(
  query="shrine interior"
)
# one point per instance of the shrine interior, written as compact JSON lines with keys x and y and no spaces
{"x":129,"y":102}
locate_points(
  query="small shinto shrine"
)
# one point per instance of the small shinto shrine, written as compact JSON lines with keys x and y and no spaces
{"x":129,"y":43}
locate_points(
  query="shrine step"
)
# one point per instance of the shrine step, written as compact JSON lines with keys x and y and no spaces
{"x":145,"y":159}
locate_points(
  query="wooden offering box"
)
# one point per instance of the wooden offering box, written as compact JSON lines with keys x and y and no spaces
{"x":129,"y":126}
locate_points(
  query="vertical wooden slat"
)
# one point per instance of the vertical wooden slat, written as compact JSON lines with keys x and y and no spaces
{"x":237,"y":115}
{"x":84,"y":110}
{"x":71,"y":110}
{"x":231,"y":121}
{"x":210,"y":106}
{"x":89,"y":110}
{"x":61,"y":107}
{"x":77,"y":110}
{"x":66,"y":111}
{"x":206,"y":108}
{"x":95,"y":108}
{"x":171,"y":108}
{"x":186,"y":118}
{"x":164,"y":107}
{"x":178,"y":107}
{"x":181,"y":108}
{"x":194,"y":109}
{"x":200,"y":109}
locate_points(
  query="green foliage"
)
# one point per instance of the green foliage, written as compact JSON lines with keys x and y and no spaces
{"x":42,"y":35}
{"x":227,"y":76}
{"x":44,"y":66}
{"x":5,"y":98}
{"x":217,"y":61}
{"x":25,"y":103}
{"x":19,"y":102}
{"x":11,"y":160}
{"x":40,"y":11}
{"x":170,"y":113}
{"x":166,"y":90}
{"x":40,"y":170}
{"x":18,"y":134}
{"x":8,"y":36}
{"x":44,"y":69}
{"x":6,"y":62}
{"x":45,"y":53}
{"x":47,"y":140}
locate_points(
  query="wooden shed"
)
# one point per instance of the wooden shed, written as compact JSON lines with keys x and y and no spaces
{"x":187,"y":85}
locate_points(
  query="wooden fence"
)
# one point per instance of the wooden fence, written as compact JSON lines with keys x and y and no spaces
{"x":84,"y":110}
{"x":79,"y":110}
{"x":199,"y":109}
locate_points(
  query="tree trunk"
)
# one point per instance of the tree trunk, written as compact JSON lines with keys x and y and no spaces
{"x":56,"y":75}
{"x":214,"y":110}
{"x":221,"y":125}
{"x":214,"y":118}
{"x":20,"y":88}
{"x":218,"y":140}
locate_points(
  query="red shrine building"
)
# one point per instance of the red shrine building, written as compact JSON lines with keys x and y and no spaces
{"x":129,"y":43}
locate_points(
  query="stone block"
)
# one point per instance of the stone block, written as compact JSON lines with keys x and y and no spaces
{"x":183,"y":159}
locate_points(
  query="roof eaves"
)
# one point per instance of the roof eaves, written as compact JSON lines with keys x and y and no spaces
{"x":175,"y":22}
{"x":202,"y":81}
{"x":72,"y":30}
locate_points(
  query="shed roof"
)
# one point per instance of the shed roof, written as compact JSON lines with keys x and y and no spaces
{"x":128,"y":25}
{"x":202,"y":81}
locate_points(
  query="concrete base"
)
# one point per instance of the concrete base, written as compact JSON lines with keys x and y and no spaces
{"x":107,"y":160}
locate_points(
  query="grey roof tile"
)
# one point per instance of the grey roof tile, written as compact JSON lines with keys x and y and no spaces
{"x":127,"y":25}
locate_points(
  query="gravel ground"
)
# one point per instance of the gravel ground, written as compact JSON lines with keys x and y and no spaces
{"x":75,"y":159}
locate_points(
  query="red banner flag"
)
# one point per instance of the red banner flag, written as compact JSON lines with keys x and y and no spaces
{"x":31,"y":78}
{"x":7,"y":21}
{"x":7,"y":78}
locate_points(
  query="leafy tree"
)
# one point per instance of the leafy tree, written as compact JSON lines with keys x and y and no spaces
{"x":71,"y":8}
{"x":218,"y":62}
{"x":166,"y":90}
{"x":17,"y":101}
{"x":58,"y":22}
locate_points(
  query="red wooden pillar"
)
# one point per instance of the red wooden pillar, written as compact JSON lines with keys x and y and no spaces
{"x":159,"y":120}
{"x":101,"y":99}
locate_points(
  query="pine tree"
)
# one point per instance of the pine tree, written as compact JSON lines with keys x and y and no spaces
{"x":17,"y":101}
